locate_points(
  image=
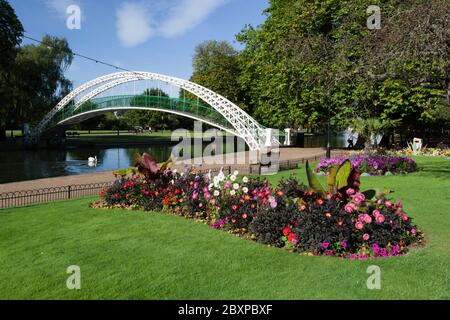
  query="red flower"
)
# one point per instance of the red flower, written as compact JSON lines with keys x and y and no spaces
{"x":166,"y":201}
{"x":286,"y":231}
{"x":291,"y":237}
{"x":244,"y":216}
{"x":234,"y":207}
{"x":320,"y":201}
{"x":233,"y":221}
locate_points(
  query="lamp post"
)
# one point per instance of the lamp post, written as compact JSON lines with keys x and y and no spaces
{"x":329,"y":138}
{"x":328,"y":155}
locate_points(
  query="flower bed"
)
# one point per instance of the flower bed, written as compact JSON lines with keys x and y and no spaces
{"x":428,"y":152}
{"x":341,"y":222}
{"x":374,"y":165}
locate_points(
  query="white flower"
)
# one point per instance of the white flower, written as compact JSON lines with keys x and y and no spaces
{"x":233,"y":178}
{"x":245,"y":189}
{"x":221,"y":177}
{"x":236,"y":173}
{"x":175,"y":171}
{"x":232,"y":192}
{"x":211,"y":185}
{"x":182,"y":174}
{"x":245,"y":179}
{"x":216,"y":193}
{"x":172,"y":182}
{"x":236,"y":186}
{"x":216,"y":180}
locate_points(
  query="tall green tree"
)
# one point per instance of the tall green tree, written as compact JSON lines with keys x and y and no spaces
{"x":408,"y":62}
{"x":311,"y":60}
{"x":38,"y":81}
{"x":216,"y":66}
{"x":11,"y":31}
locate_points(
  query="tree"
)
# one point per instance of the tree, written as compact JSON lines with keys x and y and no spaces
{"x":408,"y":62}
{"x":369,"y":129}
{"x":11,"y":31}
{"x":217,"y":67}
{"x":38,"y":82}
{"x":311,"y":60}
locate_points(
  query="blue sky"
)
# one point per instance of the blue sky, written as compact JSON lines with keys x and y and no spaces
{"x":145,"y":35}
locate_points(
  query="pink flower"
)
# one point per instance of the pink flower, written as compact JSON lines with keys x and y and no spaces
{"x":212,"y":202}
{"x":344,"y":244}
{"x":366,"y":236}
{"x":367,"y":219}
{"x":376,"y":213}
{"x":325,"y":245}
{"x":399,"y":203}
{"x":350,"y":207}
{"x":380,"y":218}
{"x":388,"y":203}
{"x":359,"y":225}
{"x":350,"y":191}
{"x":405,"y":217}
{"x":273,"y":204}
{"x":413,"y":232}
{"x":359,"y":197}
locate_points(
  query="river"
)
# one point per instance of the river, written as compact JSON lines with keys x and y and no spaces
{"x":28,"y":165}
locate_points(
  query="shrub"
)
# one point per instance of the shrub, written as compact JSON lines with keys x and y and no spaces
{"x":371,"y":164}
{"x":269,"y":223}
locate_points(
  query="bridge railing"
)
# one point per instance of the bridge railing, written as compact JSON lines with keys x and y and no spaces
{"x":183,"y":106}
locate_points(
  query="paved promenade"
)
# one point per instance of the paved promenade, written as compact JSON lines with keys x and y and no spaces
{"x":100,"y":177}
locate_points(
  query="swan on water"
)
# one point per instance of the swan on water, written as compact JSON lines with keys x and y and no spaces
{"x":92,"y":161}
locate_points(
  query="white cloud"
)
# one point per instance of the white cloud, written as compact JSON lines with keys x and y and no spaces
{"x":186,"y":15}
{"x":133,"y":24}
{"x":60,"y":6}
{"x":136,"y":23}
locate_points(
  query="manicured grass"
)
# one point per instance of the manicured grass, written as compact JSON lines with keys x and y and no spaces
{"x":137,"y":255}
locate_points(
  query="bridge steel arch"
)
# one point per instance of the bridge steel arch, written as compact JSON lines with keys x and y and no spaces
{"x":244,"y":125}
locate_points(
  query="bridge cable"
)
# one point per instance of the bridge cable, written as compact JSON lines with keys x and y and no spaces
{"x":49,"y":46}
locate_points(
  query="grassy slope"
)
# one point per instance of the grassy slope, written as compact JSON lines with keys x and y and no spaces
{"x":136,"y":255}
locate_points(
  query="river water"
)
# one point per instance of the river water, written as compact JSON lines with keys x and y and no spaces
{"x":28,"y":165}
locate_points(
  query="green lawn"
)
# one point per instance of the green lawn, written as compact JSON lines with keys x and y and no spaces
{"x":136,"y":255}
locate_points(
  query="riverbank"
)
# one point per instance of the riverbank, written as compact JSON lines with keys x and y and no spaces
{"x":240,"y":159}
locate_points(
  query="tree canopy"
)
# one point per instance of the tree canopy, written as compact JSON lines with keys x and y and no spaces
{"x":11,"y":31}
{"x":314,"y":60}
